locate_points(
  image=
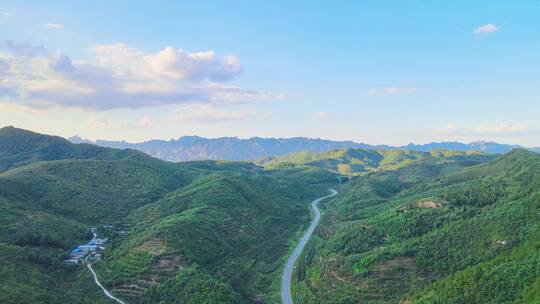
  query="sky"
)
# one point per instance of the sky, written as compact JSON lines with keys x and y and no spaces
{"x":379,"y":72}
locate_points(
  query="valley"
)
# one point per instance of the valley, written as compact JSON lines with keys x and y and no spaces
{"x":269,"y":152}
{"x":406,"y":226}
{"x":287,"y":273}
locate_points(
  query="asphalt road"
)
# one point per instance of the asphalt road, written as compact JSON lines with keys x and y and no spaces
{"x":287,"y":273}
{"x":105,"y":291}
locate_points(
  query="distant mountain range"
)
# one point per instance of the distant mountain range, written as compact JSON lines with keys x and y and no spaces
{"x":188,"y":148}
{"x":416,"y":227}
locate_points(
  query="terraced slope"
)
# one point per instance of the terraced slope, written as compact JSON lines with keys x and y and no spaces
{"x":431,"y":235}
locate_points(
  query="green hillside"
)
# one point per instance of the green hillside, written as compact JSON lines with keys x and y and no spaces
{"x":362,"y":161}
{"x":195,"y":232}
{"x":411,"y":227}
{"x":431,"y":235}
{"x":20,"y":147}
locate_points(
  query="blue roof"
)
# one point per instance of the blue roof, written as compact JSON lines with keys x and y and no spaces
{"x":87,"y":245}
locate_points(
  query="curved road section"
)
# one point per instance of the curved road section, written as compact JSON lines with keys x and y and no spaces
{"x":287,"y":273}
{"x":105,"y":291}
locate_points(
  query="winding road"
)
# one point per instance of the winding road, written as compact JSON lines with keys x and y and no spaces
{"x":287,"y":273}
{"x":105,"y":291}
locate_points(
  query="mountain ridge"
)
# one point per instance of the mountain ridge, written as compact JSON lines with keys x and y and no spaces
{"x":194,"y":147}
{"x":411,"y":226}
{"x":191,"y":232}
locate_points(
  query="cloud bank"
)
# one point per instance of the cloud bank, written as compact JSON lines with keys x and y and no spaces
{"x":117,"y":76}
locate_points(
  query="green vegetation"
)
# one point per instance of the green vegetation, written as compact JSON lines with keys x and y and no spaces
{"x":362,"y":161}
{"x":19,"y":147}
{"x":411,"y":227}
{"x":234,"y":225}
{"x":196,"y":232}
{"x":447,"y":233}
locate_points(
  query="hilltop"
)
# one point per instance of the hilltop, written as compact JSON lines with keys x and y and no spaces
{"x":188,"y":148}
{"x":362,"y":161}
{"x":19,"y":147}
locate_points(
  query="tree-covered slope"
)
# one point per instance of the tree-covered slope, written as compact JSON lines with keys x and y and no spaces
{"x":235,"y":228}
{"x":421,"y":227}
{"x":195,"y":232}
{"x":19,"y":147}
{"x":362,"y":161}
{"x":431,"y":235}
{"x":49,"y":207}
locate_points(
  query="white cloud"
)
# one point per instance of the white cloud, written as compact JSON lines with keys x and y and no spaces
{"x":169,"y":63}
{"x":53,"y":26}
{"x":486,"y":29}
{"x":391,"y":91}
{"x":321,"y":115}
{"x":145,"y":122}
{"x":119,"y":76}
{"x":96,"y":122}
{"x":207,"y":113}
{"x":6,"y":14}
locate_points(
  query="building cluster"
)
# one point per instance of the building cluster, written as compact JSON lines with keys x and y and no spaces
{"x":87,"y":251}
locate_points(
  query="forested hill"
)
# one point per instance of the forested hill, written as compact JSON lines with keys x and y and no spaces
{"x":431,"y":234}
{"x":362,"y":161}
{"x":411,"y":227}
{"x":195,"y":232}
{"x":19,"y":147}
{"x":188,"y":148}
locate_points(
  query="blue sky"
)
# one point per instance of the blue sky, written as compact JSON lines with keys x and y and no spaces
{"x":387,"y":72}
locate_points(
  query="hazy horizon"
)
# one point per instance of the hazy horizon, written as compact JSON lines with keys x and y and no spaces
{"x":270,"y":137}
{"x":367,"y":72}
{"x":321,"y":138}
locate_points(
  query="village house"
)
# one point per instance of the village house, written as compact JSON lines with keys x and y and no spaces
{"x":77,"y":255}
{"x":87,"y":247}
{"x":72,"y":261}
{"x":77,"y":252}
{"x":98,"y":241}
